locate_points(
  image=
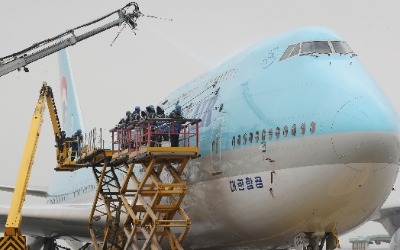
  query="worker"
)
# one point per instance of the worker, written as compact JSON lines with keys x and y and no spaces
{"x":76,"y":144}
{"x":162,"y":127}
{"x":151,"y":113}
{"x":143,"y":115}
{"x":160,"y":112}
{"x":135,"y":116}
{"x":125,"y":120}
{"x":122,"y":125}
{"x":128,"y":118}
{"x":176,"y":125}
{"x":60,"y":139}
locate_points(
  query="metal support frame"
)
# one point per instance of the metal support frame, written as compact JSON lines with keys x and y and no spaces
{"x":155,"y":207}
{"x":140,"y":190}
{"x":107,"y":208}
{"x":142,"y":210}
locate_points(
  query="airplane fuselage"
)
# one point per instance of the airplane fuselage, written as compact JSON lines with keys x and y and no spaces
{"x":302,"y":143}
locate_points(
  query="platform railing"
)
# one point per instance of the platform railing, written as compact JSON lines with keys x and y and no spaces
{"x":154,"y":132}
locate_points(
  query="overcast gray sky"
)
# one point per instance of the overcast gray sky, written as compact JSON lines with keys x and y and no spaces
{"x":141,"y":69}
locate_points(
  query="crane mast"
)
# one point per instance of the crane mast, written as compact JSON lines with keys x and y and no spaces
{"x":12,"y":232}
{"x":126,"y":15}
{"x":14,"y":215}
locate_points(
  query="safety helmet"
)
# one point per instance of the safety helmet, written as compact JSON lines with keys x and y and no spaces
{"x":178,"y":107}
{"x":150,"y":108}
{"x":137,"y":108}
{"x":79,"y":131}
{"x":128,"y":113}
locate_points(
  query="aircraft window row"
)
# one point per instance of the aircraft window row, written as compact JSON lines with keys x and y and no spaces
{"x":209,"y":83}
{"x":223,"y":77}
{"x":257,"y":136}
{"x":318,"y":47}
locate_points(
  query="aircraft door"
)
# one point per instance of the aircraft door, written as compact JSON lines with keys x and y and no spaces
{"x":216,"y":145}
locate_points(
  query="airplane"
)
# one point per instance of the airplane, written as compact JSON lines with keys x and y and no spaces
{"x":298,"y":145}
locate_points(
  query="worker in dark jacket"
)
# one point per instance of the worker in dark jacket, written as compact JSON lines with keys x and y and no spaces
{"x":125,"y":121}
{"x":176,"y":125}
{"x":151,"y":113}
{"x":122,"y":125}
{"x":162,"y":126}
{"x":76,"y":144}
{"x":135,"y":116}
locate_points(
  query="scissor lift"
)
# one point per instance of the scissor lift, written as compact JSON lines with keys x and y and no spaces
{"x":141,"y":209}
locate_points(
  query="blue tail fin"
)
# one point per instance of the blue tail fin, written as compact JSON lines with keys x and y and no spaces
{"x":71,"y":116}
{"x":63,"y":185}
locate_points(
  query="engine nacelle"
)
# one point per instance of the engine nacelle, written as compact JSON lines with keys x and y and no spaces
{"x":395,"y":241}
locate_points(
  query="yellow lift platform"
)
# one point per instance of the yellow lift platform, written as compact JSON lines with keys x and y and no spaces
{"x":140,"y":189}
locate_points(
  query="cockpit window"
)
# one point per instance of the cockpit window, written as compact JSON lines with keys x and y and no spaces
{"x":317,"y":47}
{"x":296,"y":50}
{"x":321,"y":47}
{"x":287,"y":52}
{"x":341,"y":47}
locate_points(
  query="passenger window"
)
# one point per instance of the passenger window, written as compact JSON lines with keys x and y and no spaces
{"x":285,"y":131}
{"x":277,"y":132}
{"x":303,"y":128}
{"x":312,"y":127}
{"x":263,"y":135}
{"x":293,"y":129}
{"x":270,"y":134}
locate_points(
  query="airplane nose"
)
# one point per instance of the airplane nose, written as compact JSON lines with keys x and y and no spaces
{"x":362,"y":129}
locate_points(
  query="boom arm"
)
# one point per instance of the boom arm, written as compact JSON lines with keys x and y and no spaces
{"x":13,"y":223}
{"x":14,"y":216}
{"x":49,"y":46}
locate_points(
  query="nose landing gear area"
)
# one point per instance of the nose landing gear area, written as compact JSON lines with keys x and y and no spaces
{"x":314,"y":241}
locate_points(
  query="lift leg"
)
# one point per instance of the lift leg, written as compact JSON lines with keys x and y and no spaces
{"x":13,"y":243}
{"x":155,"y":207}
{"x":107,"y":209}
